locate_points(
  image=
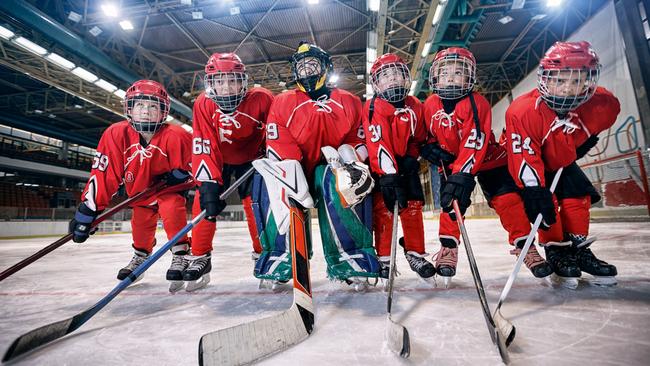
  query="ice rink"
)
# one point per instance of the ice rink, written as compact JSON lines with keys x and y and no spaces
{"x":147,"y":325}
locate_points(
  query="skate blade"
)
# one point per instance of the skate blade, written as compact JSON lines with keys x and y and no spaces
{"x":570,"y":283}
{"x":603,"y":281}
{"x":198,"y":284}
{"x":175,"y":286}
{"x":273,"y":285}
{"x":431,"y":281}
{"x":446,"y":281}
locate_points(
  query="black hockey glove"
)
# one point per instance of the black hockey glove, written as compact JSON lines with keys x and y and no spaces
{"x":392,"y":190}
{"x":539,"y":200}
{"x":210,"y":201}
{"x":459,"y":187}
{"x":583,"y":149}
{"x":434,"y":154}
{"x":79,"y":227}
{"x":176,"y":176}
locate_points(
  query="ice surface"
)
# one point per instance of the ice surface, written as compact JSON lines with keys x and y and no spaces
{"x":147,"y":325}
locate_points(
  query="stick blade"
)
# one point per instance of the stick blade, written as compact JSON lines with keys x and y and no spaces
{"x":37,"y":338}
{"x":249,"y":342}
{"x":505,"y":327}
{"x":503,"y":349}
{"x":398,"y":338}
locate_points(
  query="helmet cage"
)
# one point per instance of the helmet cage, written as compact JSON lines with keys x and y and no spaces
{"x":464,"y":66}
{"x":550,"y":79}
{"x":227,"y":102}
{"x":146,"y":126}
{"x":396,"y":91}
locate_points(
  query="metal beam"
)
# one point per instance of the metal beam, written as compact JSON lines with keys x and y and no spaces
{"x":426,"y":31}
{"x":187,"y":34}
{"x":381,"y":26}
{"x":256,"y":25}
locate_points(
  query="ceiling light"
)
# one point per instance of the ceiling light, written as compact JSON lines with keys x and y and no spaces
{"x":106,"y":85}
{"x":120,"y":93}
{"x":78,"y":106}
{"x":373,"y":5}
{"x":197,"y":15}
{"x":553,"y":3}
{"x":371,"y":54}
{"x":110,"y":10}
{"x":282,"y":83}
{"x":334,"y":78}
{"x":186,"y":94}
{"x":518,"y":4}
{"x":38,"y":111}
{"x":539,"y":17}
{"x":360,"y":77}
{"x":6,"y":33}
{"x":75,"y":17}
{"x":506,"y":19}
{"x":438,"y":14}
{"x":312,"y":2}
{"x":126,"y":25}
{"x":186,"y":2}
{"x":235,"y":10}
{"x":426,"y":49}
{"x":95,"y":31}
{"x":60,"y":61}
{"x":85,"y":74}
{"x":257,"y":85}
{"x":51,"y":115}
{"x":30,"y":46}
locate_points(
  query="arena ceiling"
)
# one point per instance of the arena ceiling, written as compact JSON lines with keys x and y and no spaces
{"x":170,"y":41}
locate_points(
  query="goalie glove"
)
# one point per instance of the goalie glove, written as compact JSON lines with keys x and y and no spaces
{"x":353,"y":182}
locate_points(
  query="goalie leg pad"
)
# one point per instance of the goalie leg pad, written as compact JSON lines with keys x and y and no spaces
{"x":274,"y":262}
{"x":345,"y":232}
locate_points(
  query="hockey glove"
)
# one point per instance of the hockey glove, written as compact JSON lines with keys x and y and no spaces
{"x":392,"y":191}
{"x":539,"y":200}
{"x":210,"y":201}
{"x":80,"y":226}
{"x":583,"y":149}
{"x":459,"y":187}
{"x":176,"y":176}
{"x":434,"y":154}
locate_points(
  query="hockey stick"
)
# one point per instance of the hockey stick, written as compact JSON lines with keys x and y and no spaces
{"x":506,"y":327}
{"x":249,"y":342}
{"x":48,"y":333}
{"x":66,"y":238}
{"x":396,"y":334}
{"x":497,"y":338}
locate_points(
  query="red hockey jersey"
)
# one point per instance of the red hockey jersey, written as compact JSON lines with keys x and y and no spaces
{"x":393,"y":132}
{"x":120,"y":158}
{"x":456,"y":132}
{"x":298,"y":126}
{"x":539,"y":141}
{"x":234,"y":138}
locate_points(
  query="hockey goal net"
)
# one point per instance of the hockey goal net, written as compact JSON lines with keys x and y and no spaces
{"x":622,"y":182}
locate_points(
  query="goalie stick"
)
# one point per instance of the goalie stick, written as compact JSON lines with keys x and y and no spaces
{"x":48,"y":333}
{"x":397,"y":335}
{"x":249,"y":342}
{"x":497,"y":338}
{"x":506,"y":327}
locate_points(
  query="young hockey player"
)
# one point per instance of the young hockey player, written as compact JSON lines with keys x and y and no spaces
{"x":300,"y":124}
{"x":549,"y":128}
{"x":395,"y":130}
{"x":229,"y":129}
{"x":138,"y":152}
{"x":462,"y":141}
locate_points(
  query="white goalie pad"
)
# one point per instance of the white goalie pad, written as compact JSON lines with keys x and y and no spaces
{"x":353,"y":180}
{"x":284,"y":179}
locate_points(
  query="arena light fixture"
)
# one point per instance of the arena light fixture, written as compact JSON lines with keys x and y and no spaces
{"x":282,"y":83}
{"x":60,"y":61}
{"x":414,"y":84}
{"x":110,"y":10}
{"x":235,"y":10}
{"x":371,"y":54}
{"x":75,"y":17}
{"x":334,"y":78}
{"x":95,"y":31}
{"x":257,"y":85}
{"x":6,"y":33}
{"x":373,"y":5}
{"x":506,"y":19}
{"x":197,"y":15}
{"x":30,"y":46}
{"x":312,"y":2}
{"x":539,"y":17}
{"x":553,"y":3}
{"x":85,"y":74}
{"x":126,"y":25}
{"x":120,"y":93}
{"x":186,"y":2}
{"x":106,"y":85}
{"x":438,"y":14}
{"x":426,"y":49}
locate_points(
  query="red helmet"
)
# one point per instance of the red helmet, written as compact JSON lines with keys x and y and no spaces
{"x":230,"y":71}
{"x":390,"y":78}
{"x":463,"y":60}
{"x":146,"y":90}
{"x":566,"y":61}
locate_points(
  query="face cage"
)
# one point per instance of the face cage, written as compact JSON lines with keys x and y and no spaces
{"x":146,"y":127}
{"x":226,"y":102}
{"x":315,"y":69}
{"x":468,"y":69}
{"x":565,"y":104}
{"x":397,"y":91}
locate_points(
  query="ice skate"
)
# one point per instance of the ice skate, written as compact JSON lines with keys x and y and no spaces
{"x":563,"y":261}
{"x":197,"y":274}
{"x":446,"y":260}
{"x":273,"y":285}
{"x":418,"y":263}
{"x":138,"y":258}
{"x":177,"y":267}
{"x":534,"y":262}
{"x":600,"y":272}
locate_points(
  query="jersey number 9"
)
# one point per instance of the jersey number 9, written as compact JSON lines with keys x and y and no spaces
{"x":100,"y":161}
